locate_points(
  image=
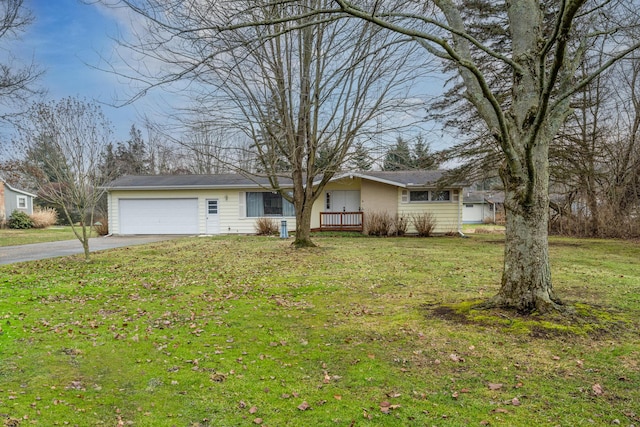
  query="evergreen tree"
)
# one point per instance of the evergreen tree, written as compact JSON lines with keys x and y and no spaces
{"x":132,"y":157}
{"x":361,"y":159}
{"x":127,"y":158}
{"x":398,"y":157}
{"x":423,"y":157}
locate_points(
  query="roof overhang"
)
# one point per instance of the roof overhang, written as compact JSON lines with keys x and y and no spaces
{"x":15,"y":190}
{"x":374,"y":178}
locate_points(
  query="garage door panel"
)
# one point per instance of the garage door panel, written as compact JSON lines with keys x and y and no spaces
{"x":158,"y":216}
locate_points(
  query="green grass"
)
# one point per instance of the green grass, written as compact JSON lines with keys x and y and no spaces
{"x":10,"y":237}
{"x":240,"y":331}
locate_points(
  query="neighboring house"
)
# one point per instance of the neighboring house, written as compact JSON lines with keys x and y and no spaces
{"x":12,"y":199}
{"x":231,"y":203}
{"x":481,"y":206}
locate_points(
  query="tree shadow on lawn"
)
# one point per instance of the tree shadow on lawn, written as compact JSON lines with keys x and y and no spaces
{"x":596,"y":322}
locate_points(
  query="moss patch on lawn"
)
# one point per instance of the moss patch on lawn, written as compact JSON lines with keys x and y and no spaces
{"x":595,"y":322}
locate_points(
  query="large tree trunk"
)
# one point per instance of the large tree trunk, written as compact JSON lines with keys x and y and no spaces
{"x":303,"y":227}
{"x":526,"y":278}
{"x":303,"y":198}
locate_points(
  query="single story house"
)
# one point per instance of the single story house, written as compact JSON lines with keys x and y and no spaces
{"x":232,"y":203}
{"x":481,"y":206}
{"x":12,"y":199}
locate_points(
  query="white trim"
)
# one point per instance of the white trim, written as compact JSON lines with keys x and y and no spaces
{"x":242,"y":209}
{"x":364,"y":176}
{"x":22,"y":199}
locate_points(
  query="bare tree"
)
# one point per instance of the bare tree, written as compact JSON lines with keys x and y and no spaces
{"x":206,"y":149}
{"x":577,"y":157}
{"x":622,"y":182}
{"x":296,"y":88}
{"x":16,"y":80}
{"x":64,"y":141}
{"x":595,"y":159}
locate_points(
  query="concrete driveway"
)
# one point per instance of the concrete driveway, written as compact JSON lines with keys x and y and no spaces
{"x":35,"y":251}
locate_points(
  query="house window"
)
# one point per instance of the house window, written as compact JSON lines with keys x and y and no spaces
{"x":422,"y":196}
{"x":22,"y":202}
{"x":328,"y":202}
{"x":268,"y":204}
{"x":441,"y":196}
{"x":212,"y":207}
{"x":468,"y":206}
{"x":419,"y":196}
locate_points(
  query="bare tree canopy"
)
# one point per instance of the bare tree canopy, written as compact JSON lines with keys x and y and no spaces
{"x":63,"y":143}
{"x":16,"y":80}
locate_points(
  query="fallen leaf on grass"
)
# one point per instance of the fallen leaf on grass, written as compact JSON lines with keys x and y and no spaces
{"x":253,"y":409}
{"x":515,"y":401}
{"x":500,"y":411}
{"x":304,"y":406}
{"x":387,"y":407}
{"x":597,"y":389}
{"x":257,"y":421}
{"x":455,"y":358}
{"x":494,"y":386}
{"x":218,"y":377}
{"x":337,"y":397}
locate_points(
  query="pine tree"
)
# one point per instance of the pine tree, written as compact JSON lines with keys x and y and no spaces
{"x":398,"y":157}
{"x":423,"y":157}
{"x":361,"y":160}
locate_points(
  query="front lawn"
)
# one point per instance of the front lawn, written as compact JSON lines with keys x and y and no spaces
{"x":9,"y":237}
{"x":245,"y":331}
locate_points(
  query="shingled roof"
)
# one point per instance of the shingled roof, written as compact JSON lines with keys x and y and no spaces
{"x":414,"y":178}
{"x":156,"y":182}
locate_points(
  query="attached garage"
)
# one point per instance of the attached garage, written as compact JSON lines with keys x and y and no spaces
{"x":158,"y":216}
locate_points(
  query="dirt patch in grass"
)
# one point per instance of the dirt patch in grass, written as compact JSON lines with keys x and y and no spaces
{"x":587,"y":321}
{"x":446,"y":312}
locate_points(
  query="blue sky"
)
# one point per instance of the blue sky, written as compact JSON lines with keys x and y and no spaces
{"x":66,"y":39}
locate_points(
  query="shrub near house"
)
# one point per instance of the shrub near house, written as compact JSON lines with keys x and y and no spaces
{"x":19,"y":221}
{"x":44,"y":217}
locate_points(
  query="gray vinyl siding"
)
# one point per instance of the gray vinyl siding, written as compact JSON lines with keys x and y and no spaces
{"x":11,"y":202}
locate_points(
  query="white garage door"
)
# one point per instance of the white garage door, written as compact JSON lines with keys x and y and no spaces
{"x":158,"y":216}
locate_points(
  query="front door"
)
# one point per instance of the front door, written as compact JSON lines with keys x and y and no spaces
{"x":213,"y":219}
{"x":343,"y":201}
